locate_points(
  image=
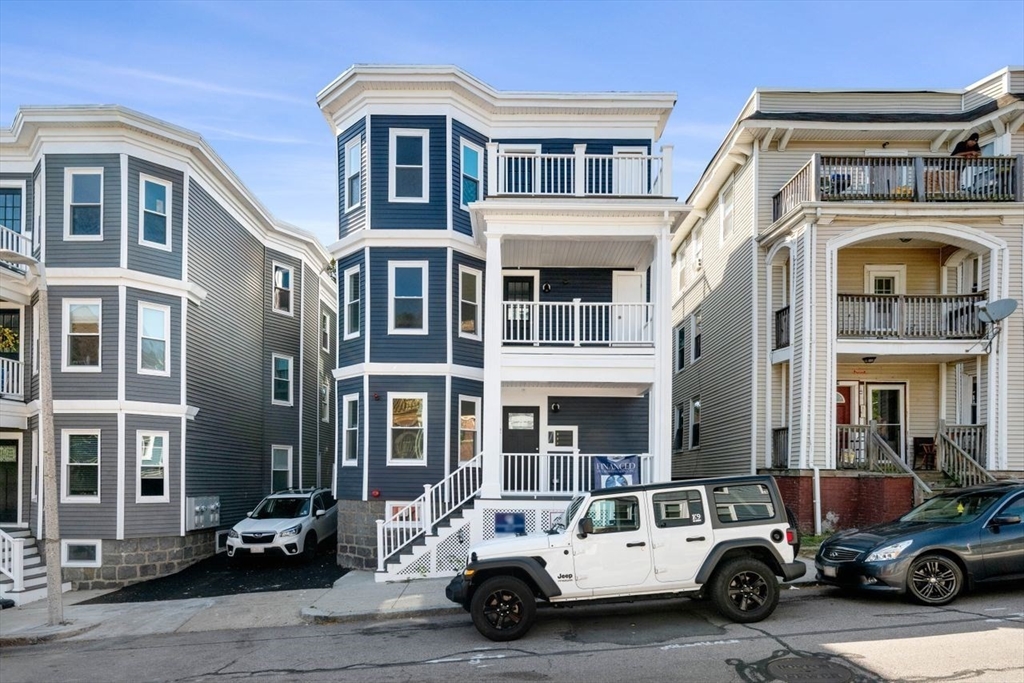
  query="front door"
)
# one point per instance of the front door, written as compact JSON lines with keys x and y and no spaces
{"x":519,"y":318}
{"x":885,"y":403}
{"x":520,"y":445}
{"x":8,"y":482}
{"x":618,"y":554}
{"x":629,"y":316}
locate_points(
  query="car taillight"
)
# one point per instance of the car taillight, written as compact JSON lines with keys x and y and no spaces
{"x":791,"y":536}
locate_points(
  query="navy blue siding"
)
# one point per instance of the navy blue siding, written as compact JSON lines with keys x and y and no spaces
{"x":151,"y":259}
{"x":588,"y":284}
{"x":105,"y":253}
{"x":469,"y":388}
{"x":352,"y":351}
{"x":565,"y":145}
{"x":86,"y":385}
{"x":408,"y":348}
{"x":142,"y":387}
{"x":405,"y":482}
{"x":460,"y":217}
{"x":607,"y":425}
{"x":429,"y":215}
{"x":466,"y":351}
{"x":349,"y":221}
{"x":350,"y":478}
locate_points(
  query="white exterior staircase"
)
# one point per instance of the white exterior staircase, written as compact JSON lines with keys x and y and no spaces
{"x":22,"y":568}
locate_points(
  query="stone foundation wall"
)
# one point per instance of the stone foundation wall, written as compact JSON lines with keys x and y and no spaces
{"x":357,"y":533}
{"x":138,"y":559}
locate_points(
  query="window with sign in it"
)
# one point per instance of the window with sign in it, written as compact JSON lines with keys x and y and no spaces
{"x":611,"y":515}
{"x":678,"y":508}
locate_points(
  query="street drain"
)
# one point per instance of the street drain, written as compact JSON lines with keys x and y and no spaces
{"x":808,"y":670}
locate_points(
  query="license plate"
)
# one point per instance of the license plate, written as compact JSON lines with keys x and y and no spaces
{"x":256,"y":549}
{"x":828,"y":571}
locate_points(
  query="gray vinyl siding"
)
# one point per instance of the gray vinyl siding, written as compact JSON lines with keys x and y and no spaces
{"x":154,"y":388}
{"x":405,"y":482}
{"x":281,"y":335}
{"x":921,"y":101}
{"x":355,"y":219}
{"x":350,"y":477}
{"x":151,"y":259}
{"x":105,"y":253}
{"x":465,"y":351}
{"x":86,"y":385}
{"x":409,"y":348}
{"x":397,"y":215}
{"x":606,"y":424}
{"x":325,"y":430}
{"x":31,"y":377}
{"x":89,"y":520}
{"x":460,"y":217}
{"x":31,"y":507}
{"x":470,"y":388}
{"x":352,"y":351}
{"x":152,"y":519}
{"x":227,"y":368}
{"x":311,"y":379}
{"x":25,"y":476}
{"x":775,"y":170}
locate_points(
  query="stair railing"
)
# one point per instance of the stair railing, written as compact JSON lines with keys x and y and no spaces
{"x":958,"y":465}
{"x":419,"y":517}
{"x":12,"y":559}
{"x":890,"y":460}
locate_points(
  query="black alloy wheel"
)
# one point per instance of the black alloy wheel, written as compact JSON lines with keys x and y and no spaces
{"x":934,"y":580}
{"x":745,"y":590}
{"x":503,"y":608}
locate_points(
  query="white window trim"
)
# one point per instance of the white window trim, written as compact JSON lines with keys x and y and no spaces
{"x":349,"y":459}
{"x":689,"y":429}
{"x":65,"y":542}
{"x":345,"y":280}
{"x":166,"y":310}
{"x":68,"y":173}
{"x":357,"y":141}
{"x":726,"y":208}
{"x":27,"y":229}
{"x":273,"y":448}
{"x":462,"y":172}
{"x":34,"y":476}
{"x":424,"y":267}
{"x":325,"y":331}
{"x":676,"y":365}
{"x":37,"y":213}
{"x":475,"y":400}
{"x":166,"y":497}
{"x":66,"y":331}
{"x":898,"y":271}
{"x":390,"y":425}
{"x":424,"y":135}
{"x":35,"y":339}
{"x":291,"y":289}
{"x":291,"y":385}
{"x":168,"y":189}
{"x":65,"y":442}
{"x":693,"y":337}
{"x":479,"y":286}
{"x":325,"y":401}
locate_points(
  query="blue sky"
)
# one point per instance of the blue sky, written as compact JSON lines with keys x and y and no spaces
{"x":245,"y":74}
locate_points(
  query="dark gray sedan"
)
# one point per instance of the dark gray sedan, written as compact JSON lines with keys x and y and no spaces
{"x":955,"y":540}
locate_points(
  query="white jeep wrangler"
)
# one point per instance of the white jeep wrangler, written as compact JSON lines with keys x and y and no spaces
{"x":726,"y":538}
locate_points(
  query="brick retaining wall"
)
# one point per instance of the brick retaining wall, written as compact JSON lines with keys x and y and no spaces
{"x":855,"y":499}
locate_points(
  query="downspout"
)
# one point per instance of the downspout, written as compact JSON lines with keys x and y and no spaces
{"x":817,"y":500}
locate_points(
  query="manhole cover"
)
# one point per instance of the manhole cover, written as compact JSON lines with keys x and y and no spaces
{"x":808,"y":670}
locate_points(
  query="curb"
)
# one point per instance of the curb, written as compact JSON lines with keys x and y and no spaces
{"x":312,"y":615}
{"x":30,"y":638}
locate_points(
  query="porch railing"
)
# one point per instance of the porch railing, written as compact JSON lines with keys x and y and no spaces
{"x":579,"y":174}
{"x":780,"y":448}
{"x":12,"y":559}
{"x":782,"y":328}
{"x":882,"y":458}
{"x":911,"y":179}
{"x":436,"y":504}
{"x":17,"y":243}
{"x":12,"y":378}
{"x":557,"y":474}
{"x":958,"y":465}
{"x":898,"y":316}
{"x":577,"y":323}
{"x":971,"y":439}
{"x":856,"y":449}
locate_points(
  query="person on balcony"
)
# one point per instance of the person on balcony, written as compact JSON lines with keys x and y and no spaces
{"x":968,"y":148}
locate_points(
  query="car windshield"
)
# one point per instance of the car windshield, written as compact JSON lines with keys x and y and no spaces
{"x":282,"y":508}
{"x":953,"y":509}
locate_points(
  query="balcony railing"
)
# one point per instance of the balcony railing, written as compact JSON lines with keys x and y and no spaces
{"x":577,"y":323}
{"x":910,"y":179}
{"x":781,"y":328}
{"x":579,"y":174}
{"x":12,"y":378}
{"x":909,"y":317}
{"x":780,"y":448}
{"x":17,"y":243}
{"x":557,"y":474}
{"x":970,"y":439}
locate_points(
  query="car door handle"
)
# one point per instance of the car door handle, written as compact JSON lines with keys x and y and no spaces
{"x":640,"y":544}
{"x":691,"y":539}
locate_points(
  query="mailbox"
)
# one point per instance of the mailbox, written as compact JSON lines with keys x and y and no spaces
{"x":202,"y":512}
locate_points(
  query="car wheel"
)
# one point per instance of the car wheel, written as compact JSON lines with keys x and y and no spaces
{"x":309,"y":547}
{"x":503,"y":608}
{"x":745,"y":590}
{"x":934,"y":580}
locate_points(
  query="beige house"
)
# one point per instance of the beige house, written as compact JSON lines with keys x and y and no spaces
{"x":831,"y":288}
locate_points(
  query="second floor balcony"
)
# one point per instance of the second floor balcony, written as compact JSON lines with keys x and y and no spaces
{"x":900,"y":316}
{"x":577,"y":324}
{"x":12,"y":379}
{"x":17,"y":243}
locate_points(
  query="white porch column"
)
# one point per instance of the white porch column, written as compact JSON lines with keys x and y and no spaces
{"x":493,"y":324}
{"x":660,"y":438}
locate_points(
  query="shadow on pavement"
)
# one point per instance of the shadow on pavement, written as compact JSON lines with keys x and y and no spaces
{"x":217,"y":576}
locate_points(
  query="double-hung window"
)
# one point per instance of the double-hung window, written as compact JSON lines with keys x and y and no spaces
{"x":469,"y":302}
{"x":353,"y":308}
{"x":155,"y":229}
{"x":152,"y":474}
{"x":353,"y":172}
{"x":280,"y":468}
{"x":408,"y":166}
{"x":81,"y":335}
{"x":281,"y":371}
{"x":407,"y":303}
{"x":12,"y":207}
{"x":472,"y":173}
{"x":325,"y":400}
{"x":83,"y":204}
{"x":695,"y":422}
{"x":350,"y":441}
{"x":325,"y":331}
{"x":680,"y":343}
{"x":80,"y":471}
{"x":469,"y":427}
{"x":154,"y":350}
{"x":282,"y":289}
{"x":727,"y":214}
{"x":695,"y":335}
{"x":407,"y":420}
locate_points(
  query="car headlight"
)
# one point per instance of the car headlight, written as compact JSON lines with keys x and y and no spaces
{"x":292,"y":530}
{"x":889,"y":552}
{"x":232,"y":533}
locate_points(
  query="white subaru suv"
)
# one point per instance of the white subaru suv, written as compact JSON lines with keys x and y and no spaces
{"x":727,"y":538}
{"x":289,"y":522}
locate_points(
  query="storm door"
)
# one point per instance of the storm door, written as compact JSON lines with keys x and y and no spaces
{"x":886,"y":405}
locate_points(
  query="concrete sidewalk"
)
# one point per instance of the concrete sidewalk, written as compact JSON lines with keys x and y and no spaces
{"x":355,"y":596}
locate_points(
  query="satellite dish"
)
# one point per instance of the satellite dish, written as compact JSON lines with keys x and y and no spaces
{"x":994,"y":311}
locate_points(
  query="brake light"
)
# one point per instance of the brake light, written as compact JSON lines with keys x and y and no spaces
{"x":791,"y":536}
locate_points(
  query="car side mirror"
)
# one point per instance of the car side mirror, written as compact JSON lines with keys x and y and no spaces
{"x":249,"y":513}
{"x":320,"y":513}
{"x":1004,"y":520}
{"x":585,"y":527}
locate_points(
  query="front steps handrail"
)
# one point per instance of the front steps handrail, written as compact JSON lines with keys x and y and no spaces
{"x":437,"y":502}
{"x":961,"y":467}
{"x":921,"y":489}
{"x":12,"y":559}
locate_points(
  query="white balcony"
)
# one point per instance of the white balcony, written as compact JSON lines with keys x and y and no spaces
{"x":11,"y":241}
{"x":556,"y":474}
{"x":12,"y":378}
{"x":578,"y":323}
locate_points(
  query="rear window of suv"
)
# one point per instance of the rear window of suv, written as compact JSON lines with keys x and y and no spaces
{"x":743,"y":503}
